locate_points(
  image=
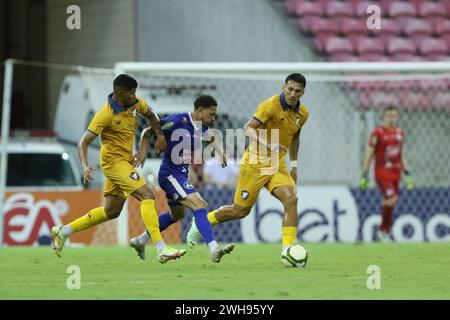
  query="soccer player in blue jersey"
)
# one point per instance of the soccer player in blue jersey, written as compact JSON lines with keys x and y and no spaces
{"x":184,"y":133}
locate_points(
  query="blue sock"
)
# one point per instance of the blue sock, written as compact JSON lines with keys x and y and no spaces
{"x":165,"y":220}
{"x":203,"y":224}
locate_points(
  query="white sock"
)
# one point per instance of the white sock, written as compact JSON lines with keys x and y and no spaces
{"x":160,"y":245}
{"x":66,"y":230}
{"x":144,"y":237}
{"x":212,"y":246}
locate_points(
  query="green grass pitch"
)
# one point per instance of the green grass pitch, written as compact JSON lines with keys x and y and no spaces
{"x":334,"y":271}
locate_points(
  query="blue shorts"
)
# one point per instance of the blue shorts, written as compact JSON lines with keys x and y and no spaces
{"x":176,"y":186}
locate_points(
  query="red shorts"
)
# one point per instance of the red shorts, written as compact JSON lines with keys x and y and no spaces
{"x":388,"y":188}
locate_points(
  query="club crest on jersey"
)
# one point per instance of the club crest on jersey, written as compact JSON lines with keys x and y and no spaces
{"x":244,"y":194}
{"x":134,"y":176}
{"x":297,"y":122}
{"x":133,"y":112}
{"x":184,"y":120}
{"x":187,"y":185}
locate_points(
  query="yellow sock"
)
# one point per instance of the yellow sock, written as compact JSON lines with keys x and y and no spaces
{"x":212,"y":218}
{"x":90,"y":219}
{"x":150,"y":218}
{"x":289,"y":234}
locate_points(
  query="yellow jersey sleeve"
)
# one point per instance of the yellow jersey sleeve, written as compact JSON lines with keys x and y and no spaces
{"x":142,"y":107}
{"x":264,"y":112}
{"x":101,"y":120}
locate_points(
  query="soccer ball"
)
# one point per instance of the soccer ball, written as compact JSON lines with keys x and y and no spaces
{"x":294,"y":256}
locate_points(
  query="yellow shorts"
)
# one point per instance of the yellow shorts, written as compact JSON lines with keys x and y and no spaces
{"x":122,"y":179}
{"x":251,"y":181}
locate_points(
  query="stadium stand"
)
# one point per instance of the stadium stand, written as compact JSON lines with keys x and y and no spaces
{"x":331,"y":24}
{"x":417,"y":30}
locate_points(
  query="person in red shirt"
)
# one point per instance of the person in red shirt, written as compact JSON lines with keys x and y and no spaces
{"x":386,"y":144}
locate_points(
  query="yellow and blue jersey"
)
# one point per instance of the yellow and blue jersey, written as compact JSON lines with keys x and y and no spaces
{"x":275,"y":114}
{"x":116,"y":128}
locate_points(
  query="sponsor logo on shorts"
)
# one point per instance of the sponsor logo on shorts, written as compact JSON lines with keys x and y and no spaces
{"x":134,"y":176}
{"x":244,"y":194}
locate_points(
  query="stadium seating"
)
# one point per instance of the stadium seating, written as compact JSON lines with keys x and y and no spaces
{"x":415,"y":30}
{"x":404,"y":25}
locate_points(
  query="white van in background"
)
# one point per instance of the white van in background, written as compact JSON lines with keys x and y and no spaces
{"x":38,"y":161}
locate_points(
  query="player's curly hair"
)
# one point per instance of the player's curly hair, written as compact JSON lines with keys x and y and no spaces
{"x":296,"y":77}
{"x":125,"y":81}
{"x":205,"y":101}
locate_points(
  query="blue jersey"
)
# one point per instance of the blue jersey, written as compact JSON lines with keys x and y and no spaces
{"x":183,"y":137}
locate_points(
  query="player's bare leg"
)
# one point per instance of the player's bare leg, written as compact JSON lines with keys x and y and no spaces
{"x":111,"y":210}
{"x":224,"y":213}
{"x":195,"y":202}
{"x":386,"y":218}
{"x":288,"y":196}
{"x":150,"y":218}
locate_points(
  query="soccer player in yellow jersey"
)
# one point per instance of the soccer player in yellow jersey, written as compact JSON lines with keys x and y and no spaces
{"x":115,"y":123}
{"x":283,"y":116}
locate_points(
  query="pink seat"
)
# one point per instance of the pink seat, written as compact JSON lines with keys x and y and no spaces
{"x":338,"y":9}
{"x":400,"y":85}
{"x":400,"y":45}
{"x":418,"y":29}
{"x":437,"y":57}
{"x":304,"y":24}
{"x":323,"y":25}
{"x":342,"y":57}
{"x":441,"y":100}
{"x":432,"y":9}
{"x":435,"y":84}
{"x":442,"y":27}
{"x":372,"y":57}
{"x":360,"y":7}
{"x":446,"y":38}
{"x":323,"y":29}
{"x":338,"y":45}
{"x":369,"y":45}
{"x":398,"y":9}
{"x":389,"y":29}
{"x":401,"y":11}
{"x":353,"y":27}
{"x":403,"y":57}
{"x":415,"y":100}
{"x":382,"y":99}
{"x":307,"y":8}
{"x":432,"y":46}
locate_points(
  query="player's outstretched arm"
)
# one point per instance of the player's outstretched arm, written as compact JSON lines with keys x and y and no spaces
{"x":161,"y":143}
{"x":82,"y":148}
{"x":364,"y":182}
{"x":293,"y":154}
